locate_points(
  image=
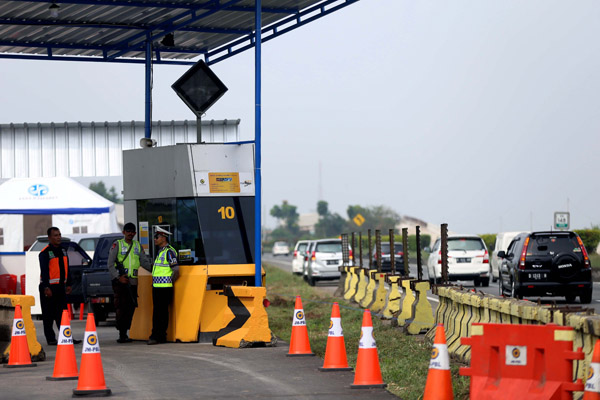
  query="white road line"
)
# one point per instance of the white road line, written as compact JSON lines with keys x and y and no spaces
{"x":433,"y":299}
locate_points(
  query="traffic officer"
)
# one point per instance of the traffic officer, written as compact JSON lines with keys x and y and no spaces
{"x":55,"y":283}
{"x":165,"y":272}
{"x":124,"y":259}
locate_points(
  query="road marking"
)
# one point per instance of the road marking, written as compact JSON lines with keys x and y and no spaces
{"x":433,"y":299}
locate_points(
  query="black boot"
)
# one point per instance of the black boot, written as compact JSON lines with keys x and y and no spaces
{"x":123,"y":338}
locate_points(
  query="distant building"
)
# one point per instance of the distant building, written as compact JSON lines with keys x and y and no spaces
{"x":307,"y":222}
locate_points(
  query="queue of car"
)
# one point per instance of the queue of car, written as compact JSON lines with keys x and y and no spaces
{"x":525,"y":264}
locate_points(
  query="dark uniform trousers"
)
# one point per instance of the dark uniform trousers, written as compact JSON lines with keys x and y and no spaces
{"x":161,"y":299}
{"x":52,"y":308}
{"x":125,"y":301}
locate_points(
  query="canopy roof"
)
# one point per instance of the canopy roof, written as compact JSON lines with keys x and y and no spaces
{"x":117,"y":30}
{"x":57,"y":195}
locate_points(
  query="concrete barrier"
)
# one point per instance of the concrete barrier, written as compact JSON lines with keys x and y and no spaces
{"x":7,"y":314}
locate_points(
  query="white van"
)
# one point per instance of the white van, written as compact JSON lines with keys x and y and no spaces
{"x":503,"y":239}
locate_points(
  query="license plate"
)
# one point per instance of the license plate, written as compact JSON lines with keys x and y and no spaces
{"x":332,"y":262}
{"x":463,"y":260}
{"x":537,"y":276}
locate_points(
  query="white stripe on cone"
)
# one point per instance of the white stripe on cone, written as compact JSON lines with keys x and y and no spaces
{"x":367,"y":341}
{"x":65,"y":336}
{"x":18,"y":328}
{"x":299,"y":317}
{"x":593,"y":382}
{"x":439,"y":357}
{"x":90,"y":343}
{"x":335,"y":327}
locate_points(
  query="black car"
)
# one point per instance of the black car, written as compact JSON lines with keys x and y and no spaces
{"x":386,"y":264}
{"x":546,"y":264}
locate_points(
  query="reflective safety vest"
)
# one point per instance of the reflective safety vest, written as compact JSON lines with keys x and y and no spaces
{"x":54,"y":266}
{"x":132,"y":262}
{"x":161,"y":271}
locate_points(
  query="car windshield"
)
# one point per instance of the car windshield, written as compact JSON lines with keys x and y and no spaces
{"x":385,"y":248}
{"x":466,"y":244}
{"x":551,"y":245}
{"x":329,"y":247}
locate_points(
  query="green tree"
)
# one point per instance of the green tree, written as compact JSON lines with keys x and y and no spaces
{"x":287,"y":214}
{"x":322,"y":208}
{"x":376,"y":217}
{"x":110,"y":194}
{"x":330,"y":224}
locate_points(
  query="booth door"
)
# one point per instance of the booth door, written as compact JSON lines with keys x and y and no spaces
{"x":34,"y":226}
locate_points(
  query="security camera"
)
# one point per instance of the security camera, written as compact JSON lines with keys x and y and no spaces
{"x":147,"y":142}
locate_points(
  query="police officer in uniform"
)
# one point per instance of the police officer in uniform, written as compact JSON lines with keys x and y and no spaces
{"x":55,"y":283}
{"x":164,"y":273}
{"x":124,"y":259}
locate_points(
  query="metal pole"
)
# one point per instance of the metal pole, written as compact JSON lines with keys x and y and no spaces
{"x":257,"y":144}
{"x":148,"y":115}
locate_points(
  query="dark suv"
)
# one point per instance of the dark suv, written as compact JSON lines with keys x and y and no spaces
{"x":546,"y":264}
{"x":386,"y":260}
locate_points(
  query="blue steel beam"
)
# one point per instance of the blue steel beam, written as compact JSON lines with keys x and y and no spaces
{"x":163,"y":4}
{"x":169,"y":27}
{"x":257,"y":149}
{"x":272,"y":31}
{"x":92,"y":59}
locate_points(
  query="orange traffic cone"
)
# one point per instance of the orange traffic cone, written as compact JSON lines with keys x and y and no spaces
{"x":368,"y":372}
{"x":299,"y":343}
{"x":439,"y":382}
{"x":19,"y":356}
{"x":65,"y":363}
{"x":592,"y":385}
{"x":335,"y":352}
{"x":91,"y":376}
{"x":70,"y":309}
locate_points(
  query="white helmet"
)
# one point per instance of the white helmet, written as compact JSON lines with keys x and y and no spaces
{"x":158,"y":229}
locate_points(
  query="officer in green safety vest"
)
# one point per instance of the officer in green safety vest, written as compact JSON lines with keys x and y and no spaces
{"x":126,"y":256}
{"x":164,"y":273}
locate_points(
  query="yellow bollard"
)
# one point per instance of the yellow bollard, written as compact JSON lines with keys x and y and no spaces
{"x":368,"y":299}
{"x":423,"y":313}
{"x":394,"y":297}
{"x":378,"y":303}
{"x":409,"y":299}
{"x":353,"y":283}
{"x":361,"y":289}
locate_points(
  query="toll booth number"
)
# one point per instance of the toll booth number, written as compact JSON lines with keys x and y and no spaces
{"x":226,"y":212}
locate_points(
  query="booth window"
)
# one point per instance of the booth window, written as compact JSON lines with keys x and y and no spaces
{"x":80,"y":229}
{"x":1,"y":236}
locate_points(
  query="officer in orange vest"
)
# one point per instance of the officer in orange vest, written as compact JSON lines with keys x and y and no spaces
{"x":55,"y":283}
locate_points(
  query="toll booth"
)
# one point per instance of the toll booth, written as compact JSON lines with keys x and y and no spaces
{"x":204,"y":195}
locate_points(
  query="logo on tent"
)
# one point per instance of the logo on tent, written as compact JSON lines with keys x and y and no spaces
{"x":38,"y":190}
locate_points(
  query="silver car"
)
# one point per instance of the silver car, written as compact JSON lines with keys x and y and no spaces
{"x":324,"y":260}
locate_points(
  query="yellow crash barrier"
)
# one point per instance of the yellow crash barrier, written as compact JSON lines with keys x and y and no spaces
{"x":353,"y":283}
{"x":394,"y":297}
{"x":199,"y":313}
{"x":367,"y":299}
{"x":7,"y":314}
{"x":380,"y":295}
{"x":407,"y":303}
{"x":361,"y":289}
{"x":423,"y":312}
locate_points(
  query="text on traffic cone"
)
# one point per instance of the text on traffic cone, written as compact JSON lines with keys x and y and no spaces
{"x":65,"y":363}
{"x":592,"y":384}
{"x":91,"y":375}
{"x":299,"y":343}
{"x":335,"y":352}
{"x":19,"y":349}
{"x":439,"y":381}
{"x":368,"y":372}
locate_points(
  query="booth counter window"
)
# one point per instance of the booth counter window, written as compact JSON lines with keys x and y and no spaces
{"x":1,"y":236}
{"x":217,"y":230}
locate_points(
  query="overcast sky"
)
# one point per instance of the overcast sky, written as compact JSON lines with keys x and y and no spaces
{"x":482,"y":114}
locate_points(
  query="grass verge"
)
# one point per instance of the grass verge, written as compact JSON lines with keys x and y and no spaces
{"x":404,"y":359}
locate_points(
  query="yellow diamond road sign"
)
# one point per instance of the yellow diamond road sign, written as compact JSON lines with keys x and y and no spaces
{"x":358,"y":219}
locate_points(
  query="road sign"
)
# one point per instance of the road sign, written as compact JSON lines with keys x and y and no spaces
{"x":562,"y":220}
{"x":358,"y":219}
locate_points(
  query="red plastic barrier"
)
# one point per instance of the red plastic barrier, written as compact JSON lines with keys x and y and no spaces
{"x":522,"y":361}
{"x":23,"y":283}
{"x":8,"y":284}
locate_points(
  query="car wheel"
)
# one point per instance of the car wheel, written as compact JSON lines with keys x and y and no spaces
{"x":485,"y":282}
{"x":586,"y":298}
{"x":311,"y":281}
{"x":476,"y":282}
{"x":99,"y":312}
{"x":514,"y":291}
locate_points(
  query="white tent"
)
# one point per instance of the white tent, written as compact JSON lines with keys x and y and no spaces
{"x":56,"y":201}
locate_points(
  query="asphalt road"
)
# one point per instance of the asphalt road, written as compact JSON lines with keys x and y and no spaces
{"x":285,"y":263}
